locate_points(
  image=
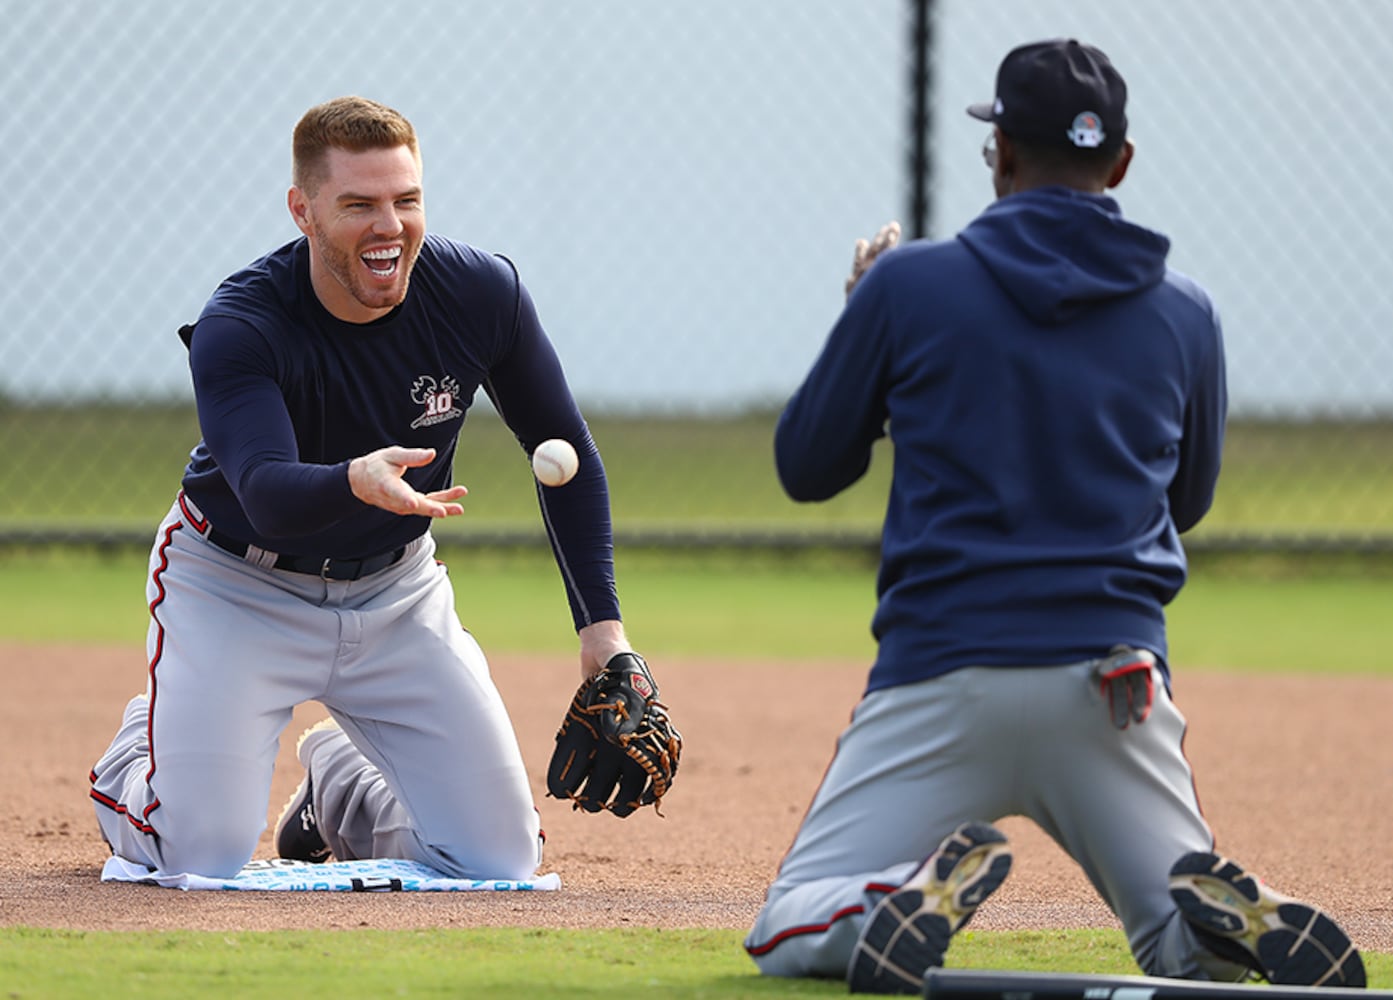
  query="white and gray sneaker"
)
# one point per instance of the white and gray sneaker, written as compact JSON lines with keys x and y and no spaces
{"x":908,"y":931}
{"x":1238,"y":918}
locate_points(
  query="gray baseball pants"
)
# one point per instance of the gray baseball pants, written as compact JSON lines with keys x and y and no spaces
{"x":427,"y":767}
{"x":979,"y":744}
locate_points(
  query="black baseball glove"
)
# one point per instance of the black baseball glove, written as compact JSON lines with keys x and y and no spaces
{"x":616,"y":748}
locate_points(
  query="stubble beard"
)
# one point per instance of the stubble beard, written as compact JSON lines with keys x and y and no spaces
{"x":344,"y":267}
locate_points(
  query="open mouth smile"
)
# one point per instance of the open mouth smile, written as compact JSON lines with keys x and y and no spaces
{"x":382,"y":263}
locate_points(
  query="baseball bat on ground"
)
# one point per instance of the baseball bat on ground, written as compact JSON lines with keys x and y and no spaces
{"x":982,"y":984}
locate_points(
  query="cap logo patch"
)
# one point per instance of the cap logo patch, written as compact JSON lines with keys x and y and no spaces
{"x":998,"y":107}
{"x":1087,"y":130}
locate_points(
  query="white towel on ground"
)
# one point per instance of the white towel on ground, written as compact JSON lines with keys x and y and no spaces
{"x":376,"y":875}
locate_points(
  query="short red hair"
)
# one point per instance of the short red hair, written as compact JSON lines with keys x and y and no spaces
{"x":355,"y":124}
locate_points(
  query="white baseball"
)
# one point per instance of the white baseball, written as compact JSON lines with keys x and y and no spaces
{"x":555,"y":462}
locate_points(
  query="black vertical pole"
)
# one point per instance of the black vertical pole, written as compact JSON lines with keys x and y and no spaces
{"x":920,"y":157}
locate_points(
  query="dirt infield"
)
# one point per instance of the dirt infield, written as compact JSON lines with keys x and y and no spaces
{"x":1296,"y":776}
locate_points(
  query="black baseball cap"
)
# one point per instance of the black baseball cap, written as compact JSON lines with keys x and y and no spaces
{"x":1060,"y":93}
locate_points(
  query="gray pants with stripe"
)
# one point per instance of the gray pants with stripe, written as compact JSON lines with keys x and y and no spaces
{"x":427,"y":766}
{"x":979,"y":744}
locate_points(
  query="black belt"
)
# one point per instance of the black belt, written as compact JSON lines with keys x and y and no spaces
{"x":329,"y":569}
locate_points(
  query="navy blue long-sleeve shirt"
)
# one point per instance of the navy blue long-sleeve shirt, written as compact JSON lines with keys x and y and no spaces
{"x":1055,"y":397}
{"x":287,"y":395}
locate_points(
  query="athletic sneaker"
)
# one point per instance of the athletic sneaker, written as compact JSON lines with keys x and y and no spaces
{"x":297,"y":831}
{"x":908,"y":931}
{"x":1238,"y":918}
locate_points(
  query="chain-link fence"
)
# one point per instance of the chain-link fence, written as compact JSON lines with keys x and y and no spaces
{"x":680,"y":186}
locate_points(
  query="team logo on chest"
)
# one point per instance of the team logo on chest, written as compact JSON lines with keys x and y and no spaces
{"x":438,"y":398}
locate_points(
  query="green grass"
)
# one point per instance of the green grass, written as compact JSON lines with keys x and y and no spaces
{"x":115,"y":467}
{"x":368,"y":963}
{"x":799,"y":608}
{"x":1298,"y":626}
{"x":507,"y":962}
{"x":1239,"y":615}
{"x":1305,"y":478}
{"x":119,"y":468}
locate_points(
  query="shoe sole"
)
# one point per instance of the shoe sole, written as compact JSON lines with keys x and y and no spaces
{"x":909,"y":930}
{"x":1287,"y":941}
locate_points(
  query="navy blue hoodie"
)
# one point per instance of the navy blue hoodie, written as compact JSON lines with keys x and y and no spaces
{"x":1055,"y":399}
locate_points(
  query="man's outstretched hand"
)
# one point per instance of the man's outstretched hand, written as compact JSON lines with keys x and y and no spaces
{"x":376,"y":479}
